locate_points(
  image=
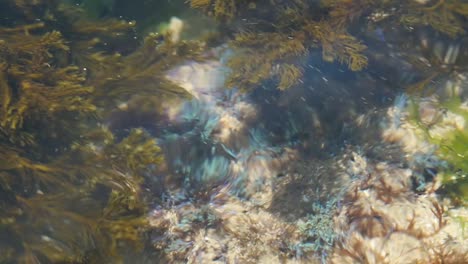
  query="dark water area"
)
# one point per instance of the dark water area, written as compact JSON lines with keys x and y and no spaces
{"x":221,"y":131}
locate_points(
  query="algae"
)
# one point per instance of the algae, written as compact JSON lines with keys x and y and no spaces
{"x":451,"y":144}
{"x":71,"y":191}
{"x":272,"y":38}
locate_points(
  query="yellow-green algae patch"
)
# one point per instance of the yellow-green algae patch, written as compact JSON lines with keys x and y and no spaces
{"x":70,"y":190}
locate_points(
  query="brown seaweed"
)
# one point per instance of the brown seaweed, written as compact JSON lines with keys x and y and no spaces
{"x":70,"y":190}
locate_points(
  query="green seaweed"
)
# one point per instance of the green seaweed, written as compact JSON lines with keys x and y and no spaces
{"x":452,"y":149}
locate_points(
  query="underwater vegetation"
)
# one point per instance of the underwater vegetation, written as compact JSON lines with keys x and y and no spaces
{"x":384,"y":221}
{"x":444,"y":125}
{"x":454,"y":150}
{"x":148,"y":13}
{"x":446,"y":16}
{"x":277,"y":38}
{"x":274,"y":41}
{"x":71,"y":190}
{"x":273,"y":38}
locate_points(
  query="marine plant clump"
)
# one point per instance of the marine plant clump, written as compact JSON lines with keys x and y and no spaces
{"x":70,"y":190}
{"x":272,"y":38}
{"x":383,"y":220}
{"x":446,"y":16}
{"x":444,"y":125}
{"x":273,"y":43}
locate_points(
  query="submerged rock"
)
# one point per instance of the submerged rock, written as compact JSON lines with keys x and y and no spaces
{"x":243,"y":196}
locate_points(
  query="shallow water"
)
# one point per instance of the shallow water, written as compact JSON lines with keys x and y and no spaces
{"x":344,"y":167}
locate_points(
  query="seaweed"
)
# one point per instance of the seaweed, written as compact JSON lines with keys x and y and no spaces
{"x":316,"y":231}
{"x":223,"y":10}
{"x":35,"y":90}
{"x":452,"y":146}
{"x":454,"y":179}
{"x":274,"y":43}
{"x":273,"y":38}
{"x":70,"y":190}
{"x":144,"y":69}
{"x":79,"y":201}
{"x":445,"y":16}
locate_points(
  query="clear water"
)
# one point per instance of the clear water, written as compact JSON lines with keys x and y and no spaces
{"x":264,"y":176}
